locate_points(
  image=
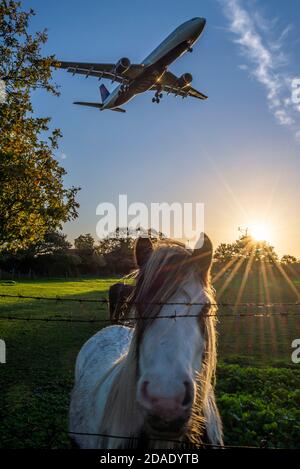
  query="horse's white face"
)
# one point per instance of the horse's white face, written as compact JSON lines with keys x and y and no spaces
{"x":170,"y":355}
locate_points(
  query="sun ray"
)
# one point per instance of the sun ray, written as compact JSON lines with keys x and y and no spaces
{"x":239,"y":297}
{"x":288,"y":280}
{"x":236,"y":321}
{"x":265,"y":280}
{"x":292,"y":271}
{"x":244,"y":279}
{"x":230,"y":324}
{"x":224,"y":269}
{"x":231,"y":276}
{"x":267,"y":299}
{"x":279,"y":329}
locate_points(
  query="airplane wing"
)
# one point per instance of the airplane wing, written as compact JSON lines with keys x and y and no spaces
{"x":169,"y":82}
{"x":101,"y":70}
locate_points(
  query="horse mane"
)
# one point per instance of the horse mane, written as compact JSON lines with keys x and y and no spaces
{"x":167,"y":268}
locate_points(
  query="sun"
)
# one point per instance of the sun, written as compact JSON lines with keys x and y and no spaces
{"x":260,"y":232}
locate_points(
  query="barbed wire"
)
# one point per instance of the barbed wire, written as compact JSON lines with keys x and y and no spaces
{"x":166,"y":440}
{"x":156,"y":303}
{"x":127,"y":320}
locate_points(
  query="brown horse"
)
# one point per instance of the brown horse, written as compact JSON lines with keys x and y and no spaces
{"x":118,"y":295}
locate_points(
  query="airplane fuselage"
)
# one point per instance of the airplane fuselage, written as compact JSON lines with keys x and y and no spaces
{"x":155,"y":64}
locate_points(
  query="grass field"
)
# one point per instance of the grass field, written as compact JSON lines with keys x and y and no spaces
{"x":37,"y":378}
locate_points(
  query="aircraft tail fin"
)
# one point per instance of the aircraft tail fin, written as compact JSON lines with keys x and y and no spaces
{"x":104,"y":92}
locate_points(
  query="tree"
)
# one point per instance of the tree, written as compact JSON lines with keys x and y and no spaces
{"x":85,"y":242}
{"x":224,"y":253}
{"x":288,"y":259}
{"x":33,"y":199}
{"x":54,"y":242}
{"x":117,"y":252}
{"x":246,"y":247}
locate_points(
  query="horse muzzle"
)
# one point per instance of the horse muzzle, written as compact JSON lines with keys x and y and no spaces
{"x":171,"y":429}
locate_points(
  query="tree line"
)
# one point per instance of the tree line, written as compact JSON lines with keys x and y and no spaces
{"x":56,"y":256}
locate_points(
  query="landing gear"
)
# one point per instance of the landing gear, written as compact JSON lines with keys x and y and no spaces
{"x":155,"y":100}
{"x":157,"y":97}
{"x":123,"y":88}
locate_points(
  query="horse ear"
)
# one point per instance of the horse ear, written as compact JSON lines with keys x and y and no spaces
{"x":203,"y":254}
{"x":142,"y":250}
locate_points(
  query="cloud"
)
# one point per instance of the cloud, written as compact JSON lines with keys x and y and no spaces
{"x":2,"y":92}
{"x":283,"y":117}
{"x":267,"y":60}
{"x":297,"y":136}
{"x":60,"y":155}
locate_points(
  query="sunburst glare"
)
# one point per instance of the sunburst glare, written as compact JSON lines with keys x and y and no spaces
{"x":260,"y":231}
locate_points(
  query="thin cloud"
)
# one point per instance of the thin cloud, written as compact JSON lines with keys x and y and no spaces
{"x":60,"y":155}
{"x":283,"y":117}
{"x":297,"y":136}
{"x":267,"y":60}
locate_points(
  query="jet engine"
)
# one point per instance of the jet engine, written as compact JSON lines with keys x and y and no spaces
{"x":184,"y":80}
{"x":122,"y":65}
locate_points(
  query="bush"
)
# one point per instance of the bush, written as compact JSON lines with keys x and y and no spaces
{"x":259,"y":405}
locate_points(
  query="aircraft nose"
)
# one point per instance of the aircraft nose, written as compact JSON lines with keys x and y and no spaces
{"x":198,"y":25}
{"x":201,"y":22}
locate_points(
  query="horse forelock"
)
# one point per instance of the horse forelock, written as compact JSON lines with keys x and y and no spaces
{"x":168,"y":269}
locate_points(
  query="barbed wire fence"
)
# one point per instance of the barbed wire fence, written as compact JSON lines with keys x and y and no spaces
{"x":263,"y":310}
{"x":103,"y":300}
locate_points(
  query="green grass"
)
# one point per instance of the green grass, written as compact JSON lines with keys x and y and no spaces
{"x":36,"y":380}
{"x":259,"y":338}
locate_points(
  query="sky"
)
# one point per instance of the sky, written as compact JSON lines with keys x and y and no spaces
{"x":237,"y":152}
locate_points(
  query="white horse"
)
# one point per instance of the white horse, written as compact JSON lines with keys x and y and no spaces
{"x":153,"y":384}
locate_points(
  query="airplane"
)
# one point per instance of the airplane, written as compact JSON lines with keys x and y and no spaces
{"x":151,"y":74}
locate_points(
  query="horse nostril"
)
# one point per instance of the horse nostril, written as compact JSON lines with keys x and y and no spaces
{"x":188,"y":394}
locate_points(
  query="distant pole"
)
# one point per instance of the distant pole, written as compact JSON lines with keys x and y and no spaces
{"x":243,"y":231}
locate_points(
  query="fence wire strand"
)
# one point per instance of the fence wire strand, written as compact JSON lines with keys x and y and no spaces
{"x":157,"y":303}
{"x":127,"y":319}
{"x":166,"y":440}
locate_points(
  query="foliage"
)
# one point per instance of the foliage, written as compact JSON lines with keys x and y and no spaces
{"x":85,"y":242}
{"x":245,"y":248}
{"x":53,"y":255}
{"x":260,"y":406}
{"x":117,"y":249}
{"x":54,"y":242}
{"x":117,"y":254}
{"x":288,"y":259}
{"x":224,"y":253}
{"x":33,"y":199}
